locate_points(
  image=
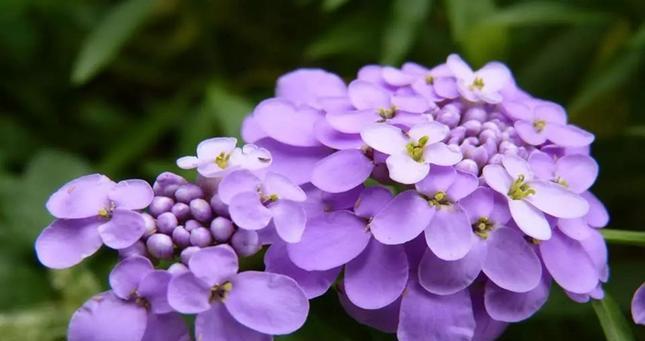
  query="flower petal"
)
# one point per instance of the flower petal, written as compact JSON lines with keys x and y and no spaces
{"x":425,"y":316}
{"x":597,"y":215}
{"x":248,"y":212}
{"x":166,"y":327}
{"x":188,"y":162}
{"x":478,"y":204}
{"x":529,"y":219}
{"x":296,"y":163}
{"x":405,"y":170}
{"x":281,"y":186}
{"x":458,"y":67}
{"x":66,"y":243}
{"x":497,"y":178}
{"x":638,"y":305}
{"x":366,"y":95}
{"x":269,"y":303}
{"x":352,"y":121}
{"x":377,"y":277}
{"x":333,"y":138}
{"x":235,"y":183}
{"x":81,"y":198}
{"x":305,"y":86}
{"x":371,"y":201}
{"x":580,"y":171}
{"x":569,"y":264}
{"x":575,"y":228}
{"x":188,"y":294}
{"x":385,"y":138}
{"x":527,"y":132}
{"x":385,"y":319}
{"x":132,"y":194}
{"x":217,"y":324}
{"x":411,"y":103}
{"x":209,"y":149}
{"x":123,"y":229}
{"x":273,"y":115}
{"x":402,"y":219}
{"x":442,"y":154}
{"x":214,"y":265}
{"x":517,"y":167}
{"x":442,"y":277}
{"x":557,"y":201}
{"x":568,"y":135}
{"x":289,"y":219}
{"x":127,"y":274}
{"x":508,"y":306}
{"x":433,"y":131}
{"x":106,"y":317}
{"x":449,"y":234}
{"x":342,"y":171}
{"x":330,"y":240}
{"x":439,"y":179}
{"x":510,"y":261}
{"x":154,"y":288}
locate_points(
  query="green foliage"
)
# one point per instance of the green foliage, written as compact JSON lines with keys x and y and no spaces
{"x":612,"y":320}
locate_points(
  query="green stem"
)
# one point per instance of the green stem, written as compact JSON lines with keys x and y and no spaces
{"x":636,"y":238}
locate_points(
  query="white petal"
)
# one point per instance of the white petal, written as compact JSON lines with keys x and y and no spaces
{"x":187,"y":162}
{"x":435,"y":132}
{"x":530,"y":220}
{"x":442,"y":154}
{"x":211,"y":148}
{"x":516,"y":166}
{"x":405,"y":170}
{"x":385,"y":138}
{"x":459,"y":68}
{"x":497,"y":178}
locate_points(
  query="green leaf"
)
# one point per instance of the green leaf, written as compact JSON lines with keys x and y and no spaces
{"x":347,"y":37}
{"x":403,"y":27}
{"x":107,"y":38}
{"x":332,"y":5}
{"x":624,"y":237}
{"x":612,"y":320}
{"x":542,"y":13}
{"x":44,"y":323}
{"x":227,"y":108}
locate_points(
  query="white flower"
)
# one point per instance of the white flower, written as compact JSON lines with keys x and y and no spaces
{"x":483,"y":85}
{"x":218,"y":156}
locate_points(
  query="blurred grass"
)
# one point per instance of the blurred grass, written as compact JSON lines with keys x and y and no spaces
{"x":124,"y":87}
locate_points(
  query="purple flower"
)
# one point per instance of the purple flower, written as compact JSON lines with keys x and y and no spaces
{"x":308,"y":86}
{"x":91,"y":211}
{"x":135,"y":309}
{"x":529,"y":198}
{"x":638,"y":305}
{"x":411,"y":153}
{"x":218,"y":156}
{"x":434,"y":85}
{"x":249,"y":305}
{"x":483,"y":85}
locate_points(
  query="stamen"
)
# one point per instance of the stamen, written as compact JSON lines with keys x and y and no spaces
{"x":222,"y":160}
{"x":483,"y":227}
{"x":415,"y":150}
{"x":387,"y":113}
{"x":439,"y":199}
{"x":520,"y":189}
{"x":478,"y":83}
{"x":220,"y":292}
{"x":104,"y":213}
{"x":539,"y":125}
{"x":561,"y":181}
{"x":269,"y":198}
{"x":142,"y":302}
{"x":429,"y":79}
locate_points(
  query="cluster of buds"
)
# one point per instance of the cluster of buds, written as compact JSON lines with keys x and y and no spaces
{"x":449,"y":199}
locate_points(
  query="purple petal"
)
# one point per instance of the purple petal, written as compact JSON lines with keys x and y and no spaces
{"x":425,"y":316}
{"x":385,"y":319}
{"x":81,"y":198}
{"x":251,"y":130}
{"x":442,"y":154}
{"x":527,"y":132}
{"x":508,"y":306}
{"x":305,"y":86}
{"x":449,"y":234}
{"x":396,"y":77}
{"x":106,"y":317}
{"x":487,"y":328}
{"x":568,"y":135}
{"x":439,"y":179}
{"x":377,"y":277}
{"x":214,"y":265}
{"x":597,"y":215}
{"x":166,"y":327}
{"x":464,"y":184}
{"x":248,"y":212}
{"x":557,"y":201}
{"x":281,"y":186}
{"x":342,"y":171}
{"x":478,"y":204}
{"x":638,"y":305}
{"x":296,"y":163}
{"x":330,"y":240}
{"x":66,"y":243}
{"x":313,"y":283}
{"x":596,"y":248}
{"x":403,"y":169}
{"x":517,"y":167}
{"x":127,"y":274}
{"x":576,"y":228}
{"x":365,"y":95}
{"x":217,"y":324}
{"x":154,"y":288}
{"x":569,"y":264}
{"x":371,"y":201}
{"x":542,"y":164}
{"x":132,"y":194}
{"x":385,"y":138}
{"x":518,"y":110}
{"x":352,"y":121}
{"x":579,"y":171}
{"x":188,"y":294}
{"x":458,"y":67}
{"x":529,"y":219}
{"x":273,"y":115}
{"x":332,"y":138}
{"x":411,"y":103}
{"x":510,"y":261}
{"x":448,"y":277}
{"x":497,"y":178}
{"x":402,"y":219}
{"x":289,"y":218}
{"x":235,"y":183}
{"x":269,"y":303}
{"x":123,"y":229}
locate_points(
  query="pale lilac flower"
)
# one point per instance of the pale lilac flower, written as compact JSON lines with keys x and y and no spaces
{"x":508,"y":306}
{"x":254,"y":203}
{"x":218,"y":156}
{"x":434,"y":85}
{"x":249,"y":305}
{"x":529,"y":199}
{"x":638,"y":305}
{"x":538,"y":121}
{"x":411,"y":153}
{"x":91,"y":211}
{"x":483,"y":85}
{"x":308,"y":86}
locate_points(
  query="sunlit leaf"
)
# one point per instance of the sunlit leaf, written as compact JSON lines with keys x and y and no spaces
{"x":612,"y":320}
{"x":403,"y":27}
{"x":107,"y":38}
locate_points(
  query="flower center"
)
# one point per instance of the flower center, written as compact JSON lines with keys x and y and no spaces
{"x":561,"y":181}
{"x":482,"y":227}
{"x":106,"y":212}
{"x":266,"y":199}
{"x":387,"y":113}
{"x":142,"y":302}
{"x":222,"y":160}
{"x":520,"y":189}
{"x":539,"y":125}
{"x":429,"y":79}
{"x":415,"y":149}
{"x":439,"y":199}
{"x":478,"y":83}
{"x":220,"y":292}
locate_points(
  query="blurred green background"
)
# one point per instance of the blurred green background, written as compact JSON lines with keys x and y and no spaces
{"x":125,"y":87}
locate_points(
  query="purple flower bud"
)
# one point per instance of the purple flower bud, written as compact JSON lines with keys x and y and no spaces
{"x":192,"y":224}
{"x":200,"y":237}
{"x":496,"y":159}
{"x":136,"y":249}
{"x":449,"y":116}
{"x":187,"y":253}
{"x":507,"y":147}
{"x":201,"y":210}
{"x":479,"y":155}
{"x":468,"y":166}
{"x":177,"y":268}
{"x":490,"y":146}
{"x":166,"y":222}
{"x":188,"y":192}
{"x":160,"y":246}
{"x":245,"y":242}
{"x":488,"y":135}
{"x":476,"y":114}
{"x":181,"y":211}
{"x":180,"y":236}
{"x":149,"y":223}
{"x":222,"y":229}
{"x":160,"y":205}
{"x":473,"y":141}
{"x":473,"y":127}
{"x":220,"y":208}
{"x":167,"y":183}
{"x":492,"y":126}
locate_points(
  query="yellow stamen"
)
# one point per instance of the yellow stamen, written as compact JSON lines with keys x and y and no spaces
{"x":220,"y":292}
{"x":539,"y":125}
{"x":520,"y":189}
{"x":415,"y":150}
{"x":222,"y":160}
{"x":429,"y":79}
{"x":387,"y":113}
{"x":478,"y":83}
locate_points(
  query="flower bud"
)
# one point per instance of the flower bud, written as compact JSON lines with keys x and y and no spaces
{"x":222,"y":229}
{"x":160,"y":246}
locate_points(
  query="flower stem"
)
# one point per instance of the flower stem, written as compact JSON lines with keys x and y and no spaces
{"x":624,"y":237}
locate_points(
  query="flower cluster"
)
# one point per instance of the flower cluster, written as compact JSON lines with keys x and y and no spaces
{"x":477,"y":200}
{"x":449,"y":199}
